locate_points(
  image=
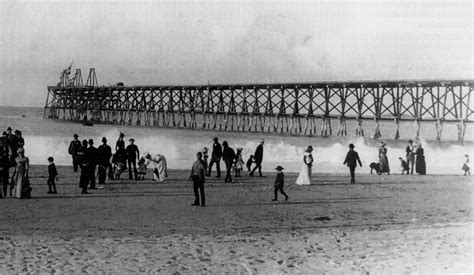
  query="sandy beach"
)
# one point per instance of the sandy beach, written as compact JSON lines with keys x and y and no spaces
{"x":396,"y":223}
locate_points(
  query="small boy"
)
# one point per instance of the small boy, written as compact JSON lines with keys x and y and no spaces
{"x":118,"y":166}
{"x":465,"y":166}
{"x":249,"y":163}
{"x":279,"y":183}
{"x":52,"y":175}
{"x":141,"y":169}
{"x":405,"y":166}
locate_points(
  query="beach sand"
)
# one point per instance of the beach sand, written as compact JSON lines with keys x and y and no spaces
{"x":396,"y":223}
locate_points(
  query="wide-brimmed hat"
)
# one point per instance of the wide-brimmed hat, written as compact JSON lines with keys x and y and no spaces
{"x":132,"y":139}
{"x":279,"y":168}
{"x":75,"y":135}
{"x":351,"y":145}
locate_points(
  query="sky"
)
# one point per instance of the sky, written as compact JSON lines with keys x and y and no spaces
{"x":230,"y":42}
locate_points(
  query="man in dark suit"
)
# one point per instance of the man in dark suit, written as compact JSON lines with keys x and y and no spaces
{"x":351,"y":159}
{"x":74,"y":148}
{"x":216,"y":158}
{"x":132,"y":155}
{"x":91,"y":157}
{"x":228,"y":155}
{"x":198,"y":172}
{"x":258,"y":156}
{"x":105,"y":153}
{"x":4,"y":164}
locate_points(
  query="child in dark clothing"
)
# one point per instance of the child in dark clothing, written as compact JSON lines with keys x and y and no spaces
{"x":52,"y":175}
{"x":405,"y":166}
{"x":279,"y":182}
{"x":249,"y":163}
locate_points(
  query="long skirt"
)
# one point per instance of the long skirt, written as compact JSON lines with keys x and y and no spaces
{"x":304,"y":178}
{"x":420,"y":165}
{"x":160,"y":172}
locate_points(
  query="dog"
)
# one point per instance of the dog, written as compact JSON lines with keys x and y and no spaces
{"x":375,"y":166}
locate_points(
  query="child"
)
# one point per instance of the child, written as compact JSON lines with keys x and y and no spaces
{"x":53,"y":173}
{"x":141,"y":169}
{"x":249,"y":163}
{"x":465,"y":166}
{"x":279,"y":182}
{"x":239,"y":163}
{"x":119,"y":166}
{"x":405,"y":166}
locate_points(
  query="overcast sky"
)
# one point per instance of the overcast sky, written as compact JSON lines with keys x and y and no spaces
{"x":214,"y":42}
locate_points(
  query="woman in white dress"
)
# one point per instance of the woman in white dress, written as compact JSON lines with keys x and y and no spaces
{"x":304,"y":177}
{"x":160,"y":170}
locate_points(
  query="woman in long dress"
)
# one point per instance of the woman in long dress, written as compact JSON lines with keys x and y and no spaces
{"x":420,"y":160}
{"x":21,"y":181}
{"x":384,"y":166}
{"x":160,"y":170}
{"x":304,"y":178}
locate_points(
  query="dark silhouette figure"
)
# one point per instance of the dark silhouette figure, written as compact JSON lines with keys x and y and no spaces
{"x":198,"y":176}
{"x":351,"y":160}
{"x":216,"y":158}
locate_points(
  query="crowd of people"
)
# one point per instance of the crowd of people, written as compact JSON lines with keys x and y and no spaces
{"x":89,"y":159}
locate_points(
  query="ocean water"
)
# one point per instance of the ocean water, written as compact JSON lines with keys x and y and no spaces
{"x":47,"y":137}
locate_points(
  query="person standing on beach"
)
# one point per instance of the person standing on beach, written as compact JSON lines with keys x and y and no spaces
{"x":92,"y":160}
{"x":420,"y":160}
{"x":465,"y":167}
{"x":75,"y":147}
{"x":83,"y":164}
{"x":132,"y":155}
{"x":52,"y":175}
{"x":120,"y":149}
{"x":20,"y":139}
{"x":4,"y":164}
{"x":383,"y":159}
{"x":228,"y":155}
{"x":410,"y":150}
{"x":21,"y":182}
{"x":205,"y":157}
{"x":304,"y":178}
{"x":215,"y":158}
{"x":105,"y":153}
{"x":198,"y":176}
{"x":351,"y":160}
{"x":258,"y":159}
{"x":279,"y":183}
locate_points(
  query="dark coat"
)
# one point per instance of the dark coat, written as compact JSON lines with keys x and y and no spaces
{"x":198,"y":172}
{"x":52,"y":172}
{"x":258,"y":154}
{"x":352,"y":158}
{"x":132,"y":151}
{"x":216,"y":151}
{"x":74,"y":147}
{"x":105,"y":153}
{"x":92,"y":156}
{"x":228,"y":155}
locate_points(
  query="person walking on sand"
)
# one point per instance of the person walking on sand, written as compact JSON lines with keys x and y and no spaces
{"x":239,"y":162}
{"x":383,"y":159}
{"x":198,"y":176}
{"x":258,"y":159}
{"x":52,"y":175}
{"x":279,"y":183}
{"x":304,"y":178}
{"x":21,"y":182}
{"x":410,"y":150}
{"x":132,"y":155}
{"x":228,"y":155}
{"x":215,"y":158}
{"x":74,"y":147}
{"x":105,"y":153}
{"x":420,"y":160}
{"x":351,"y":160}
{"x":465,"y":166}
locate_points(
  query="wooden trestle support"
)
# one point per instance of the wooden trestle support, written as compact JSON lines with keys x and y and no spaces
{"x":277,"y":108}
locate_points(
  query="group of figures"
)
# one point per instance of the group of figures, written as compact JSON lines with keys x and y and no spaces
{"x":88,"y":158}
{"x":12,"y":154}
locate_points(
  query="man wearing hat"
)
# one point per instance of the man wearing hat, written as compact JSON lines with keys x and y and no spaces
{"x":410,"y":155}
{"x":279,"y":183}
{"x":74,"y":147}
{"x":258,"y":159}
{"x":132,"y":155}
{"x":198,"y":173}
{"x":352,"y":158}
{"x":216,"y":158}
{"x":105,"y":153}
{"x":91,"y":157}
